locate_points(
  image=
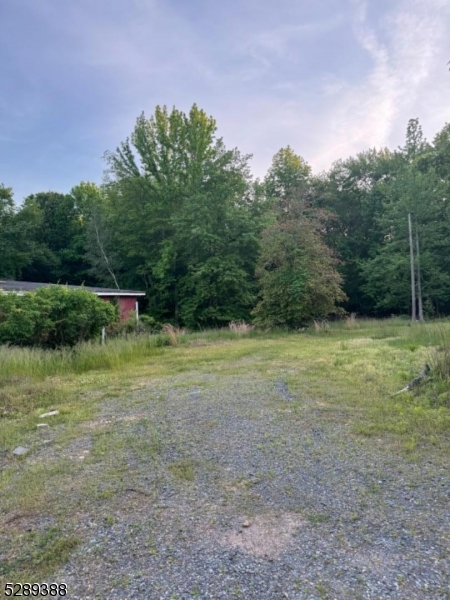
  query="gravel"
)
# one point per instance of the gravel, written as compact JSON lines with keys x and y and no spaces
{"x":249,"y":492}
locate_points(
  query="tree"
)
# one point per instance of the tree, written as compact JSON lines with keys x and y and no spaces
{"x":416,"y":189}
{"x":15,"y":232}
{"x":287,"y":174}
{"x":354,"y":191}
{"x":181,"y":211}
{"x":59,"y":241}
{"x":296,"y":270}
{"x":92,"y":203}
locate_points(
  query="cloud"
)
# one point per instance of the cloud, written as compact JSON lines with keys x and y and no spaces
{"x":274,"y":43}
{"x":404,"y":72}
{"x":329,"y":78}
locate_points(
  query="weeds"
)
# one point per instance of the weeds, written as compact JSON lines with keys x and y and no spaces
{"x":183,"y":469}
{"x":240,"y":327}
{"x":321,"y":326}
{"x":351,"y":322}
{"x":173,"y":333}
{"x":37,"y":554}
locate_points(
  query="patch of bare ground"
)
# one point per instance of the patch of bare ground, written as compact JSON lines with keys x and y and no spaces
{"x":266,"y":535}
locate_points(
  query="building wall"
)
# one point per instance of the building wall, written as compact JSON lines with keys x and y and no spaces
{"x":126,"y":305}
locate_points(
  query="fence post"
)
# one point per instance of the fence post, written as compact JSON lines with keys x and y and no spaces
{"x":103,"y":336}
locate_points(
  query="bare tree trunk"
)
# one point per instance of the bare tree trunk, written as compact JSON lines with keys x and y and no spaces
{"x":102,"y":250}
{"x":419,"y":285}
{"x":413,"y":278}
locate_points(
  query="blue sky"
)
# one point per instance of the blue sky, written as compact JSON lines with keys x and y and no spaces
{"x":328,"y":77}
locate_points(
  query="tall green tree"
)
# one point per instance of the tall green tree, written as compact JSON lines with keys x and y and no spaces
{"x":16,"y":232}
{"x":60,"y":240}
{"x":183,"y":218}
{"x":353,"y":190}
{"x":416,"y":189}
{"x":93,"y":206}
{"x":296,"y":270}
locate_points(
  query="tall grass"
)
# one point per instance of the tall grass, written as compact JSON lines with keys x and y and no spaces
{"x":240,"y":327}
{"x":38,"y":364}
{"x":173,"y":333}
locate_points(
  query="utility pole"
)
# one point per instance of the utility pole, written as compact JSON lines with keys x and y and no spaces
{"x":413,"y":278}
{"x":419,"y":285}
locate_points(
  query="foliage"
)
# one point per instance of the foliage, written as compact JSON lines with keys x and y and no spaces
{"x":297,"y":275}
{"x":287,"y":174}
{"x":371,"y":195}
{"x":59,"y":240}
{"x":351,"y":190}
{"x":424,"y":195}
{"x":296,"y":270}
{"x":53,"y":316}
{"x":181,"y":212}
{"x":180,"y":216}
{"x":103,"y":258}
{"x":16,"y":232}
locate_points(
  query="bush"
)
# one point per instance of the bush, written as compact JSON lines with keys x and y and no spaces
{"x":53,"y":316}
{"x":146,"y":324}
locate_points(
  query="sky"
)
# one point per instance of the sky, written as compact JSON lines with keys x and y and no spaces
{"x":330,"y":78}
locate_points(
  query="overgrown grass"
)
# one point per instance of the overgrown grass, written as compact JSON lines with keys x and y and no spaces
{"x":37,"y":363}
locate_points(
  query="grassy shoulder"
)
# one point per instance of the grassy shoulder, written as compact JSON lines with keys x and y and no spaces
{"x":347,"y":371}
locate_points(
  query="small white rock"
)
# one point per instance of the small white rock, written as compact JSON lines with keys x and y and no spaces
{"x":20,"y":451}
{"x":49,"y":414}
{"x":42,"y":425}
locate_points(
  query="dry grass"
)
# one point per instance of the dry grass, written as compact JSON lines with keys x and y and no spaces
{"x":240,"y":327}
{"x":321,"y":326}
{"x":173,"y":333}
{"x":351,"y":322}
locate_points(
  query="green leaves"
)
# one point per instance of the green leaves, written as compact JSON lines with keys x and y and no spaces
{"x":57,"y":236}
{"x":181,"y":219}
{"x":52,"y":317}
{"x":15,"y":247}
{"x":297,"y":276}
{"x":296,"y":270}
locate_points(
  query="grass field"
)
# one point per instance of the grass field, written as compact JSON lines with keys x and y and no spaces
{"x":351,"y":369}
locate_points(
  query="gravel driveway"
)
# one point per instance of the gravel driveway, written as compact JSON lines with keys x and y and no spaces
{"x":231,"y":486}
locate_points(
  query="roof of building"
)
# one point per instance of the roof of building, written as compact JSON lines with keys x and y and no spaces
{"x":30,"y":286}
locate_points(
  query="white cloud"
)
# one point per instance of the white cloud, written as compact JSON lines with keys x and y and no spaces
{"x":269,"y":73}
{"x":404,"y":77}
{"x":273,"y":43}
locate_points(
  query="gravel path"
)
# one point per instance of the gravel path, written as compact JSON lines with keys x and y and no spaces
{"x":232,"y":487}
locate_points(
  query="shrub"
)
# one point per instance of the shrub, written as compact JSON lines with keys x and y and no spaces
{"x":146,"y":324}
{"x":53,"y":316}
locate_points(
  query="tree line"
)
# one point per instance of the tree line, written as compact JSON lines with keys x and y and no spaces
{"x":180,"y":216}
